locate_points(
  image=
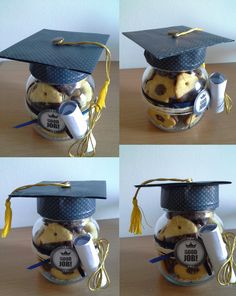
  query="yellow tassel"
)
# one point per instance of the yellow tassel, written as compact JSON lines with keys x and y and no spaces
{"x":102,"y":96}
{"x":228,"y":103}
{"x":136,"y":218}
{"x":8,"y":219}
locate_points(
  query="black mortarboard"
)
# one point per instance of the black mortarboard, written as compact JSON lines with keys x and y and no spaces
{"x":78,"y":201}
{"x":166,"y":52}
{"x":193,"y":196}
{"x":57,"y":64}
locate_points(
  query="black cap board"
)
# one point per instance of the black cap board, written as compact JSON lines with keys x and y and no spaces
{"x":189,"y":196}
{"x":185,"y":184}
{"x":77,"y":201}
{"x":166,"y":52}
{"x":43,"y":56}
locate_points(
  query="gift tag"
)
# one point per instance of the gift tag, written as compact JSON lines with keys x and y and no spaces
{"x":64,"y":258}
{"x":201,"y":102}
{"x":51,"y":121}
{"x":190,"y":252}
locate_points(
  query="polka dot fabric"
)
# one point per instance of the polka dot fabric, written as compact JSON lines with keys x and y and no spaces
{"x":65,"y":208}
{"x":195,"y":198}
{"x":185,"y":62}
{"x":55,"y":75}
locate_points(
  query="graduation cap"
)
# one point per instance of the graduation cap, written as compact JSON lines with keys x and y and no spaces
{"x":59,"y":200}
{"x":182,"y":196}
{"x":56,"y":64}
{"x":176,"y":48}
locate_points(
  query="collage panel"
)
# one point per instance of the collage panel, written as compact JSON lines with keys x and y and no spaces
{"x":175,"y":212}
{"x":174,"y":69}
{"x":59,"y":78}
{"x":62,"y":237}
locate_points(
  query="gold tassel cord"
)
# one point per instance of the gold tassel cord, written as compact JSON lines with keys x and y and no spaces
{"x":224,"y":275}
{"x":178,"y":34}
{"x":81,"y":145}
{"x":136,"y":215}
{"x":8,"y":210}
{"x":228,"y":103}
{"x":95,"y":281}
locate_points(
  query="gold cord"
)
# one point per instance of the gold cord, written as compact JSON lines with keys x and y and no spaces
{"x":176,"y":34}
{"x":136,"y":215}
{"x":228,"y":103}
{"x":229,"y":267}
{"x":95,"y":280}
{"x":81,"y":145}
{"x":8,"y":210}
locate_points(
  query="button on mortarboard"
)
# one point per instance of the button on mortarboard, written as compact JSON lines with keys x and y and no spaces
{"x":185,"y":52}
{"x":66,"y":203}
{"x":40,"y":50}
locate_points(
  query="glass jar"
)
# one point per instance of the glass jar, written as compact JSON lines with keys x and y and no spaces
{"x":176,"y":100}
{"x":53,"y":242}
{"x":43,"y":100}
{"x":177,"y":234}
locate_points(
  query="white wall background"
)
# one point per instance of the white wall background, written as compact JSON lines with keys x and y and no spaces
{"x":214,"y":16}
{"x":21,"y":18}
{"x":200,"y":162}
{"x":17,"y":172}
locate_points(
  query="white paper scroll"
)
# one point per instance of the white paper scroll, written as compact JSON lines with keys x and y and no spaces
{"x":217,"y":84}
{"x":215,"y":247}
{"x":73,"y":118}
{"x":87,"y":253}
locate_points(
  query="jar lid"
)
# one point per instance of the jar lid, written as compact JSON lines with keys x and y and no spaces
{"x":178,"y":48}
{"x":53,"y":63}
{"x":192,"y":196}
{"x":72,"y":202}
{"x":55,"y":75}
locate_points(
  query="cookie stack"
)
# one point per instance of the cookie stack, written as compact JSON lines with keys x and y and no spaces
{"x":170,"y":95}
{"x":44,"y":99}
{"x":49,"y":235}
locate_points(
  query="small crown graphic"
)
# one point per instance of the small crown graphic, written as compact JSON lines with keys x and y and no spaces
{"x":65,"y":253}
{"x":52,"y":115}
{"x":190,"y":245}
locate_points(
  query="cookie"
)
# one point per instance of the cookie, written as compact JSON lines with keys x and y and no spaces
{"x":160,"y":234}
{"x":160,"y":88}
{"x":83,"y":93}
{"x":190,"y":273}
{"x":162,"y":119}
{"x":179,"y":226}
{"x":91,"y":228}
{"x":191,"y":119}
{"x":44,"y":93}
{"x":64,"y":276}
{"x":185,"y":83}
{"x":54,"y":233}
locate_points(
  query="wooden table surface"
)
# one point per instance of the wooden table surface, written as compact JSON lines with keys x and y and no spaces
{"x":16,"y":254}
{"x":135,"y":127}
{"x":25,"y":141}
{"x":140,"y":278}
